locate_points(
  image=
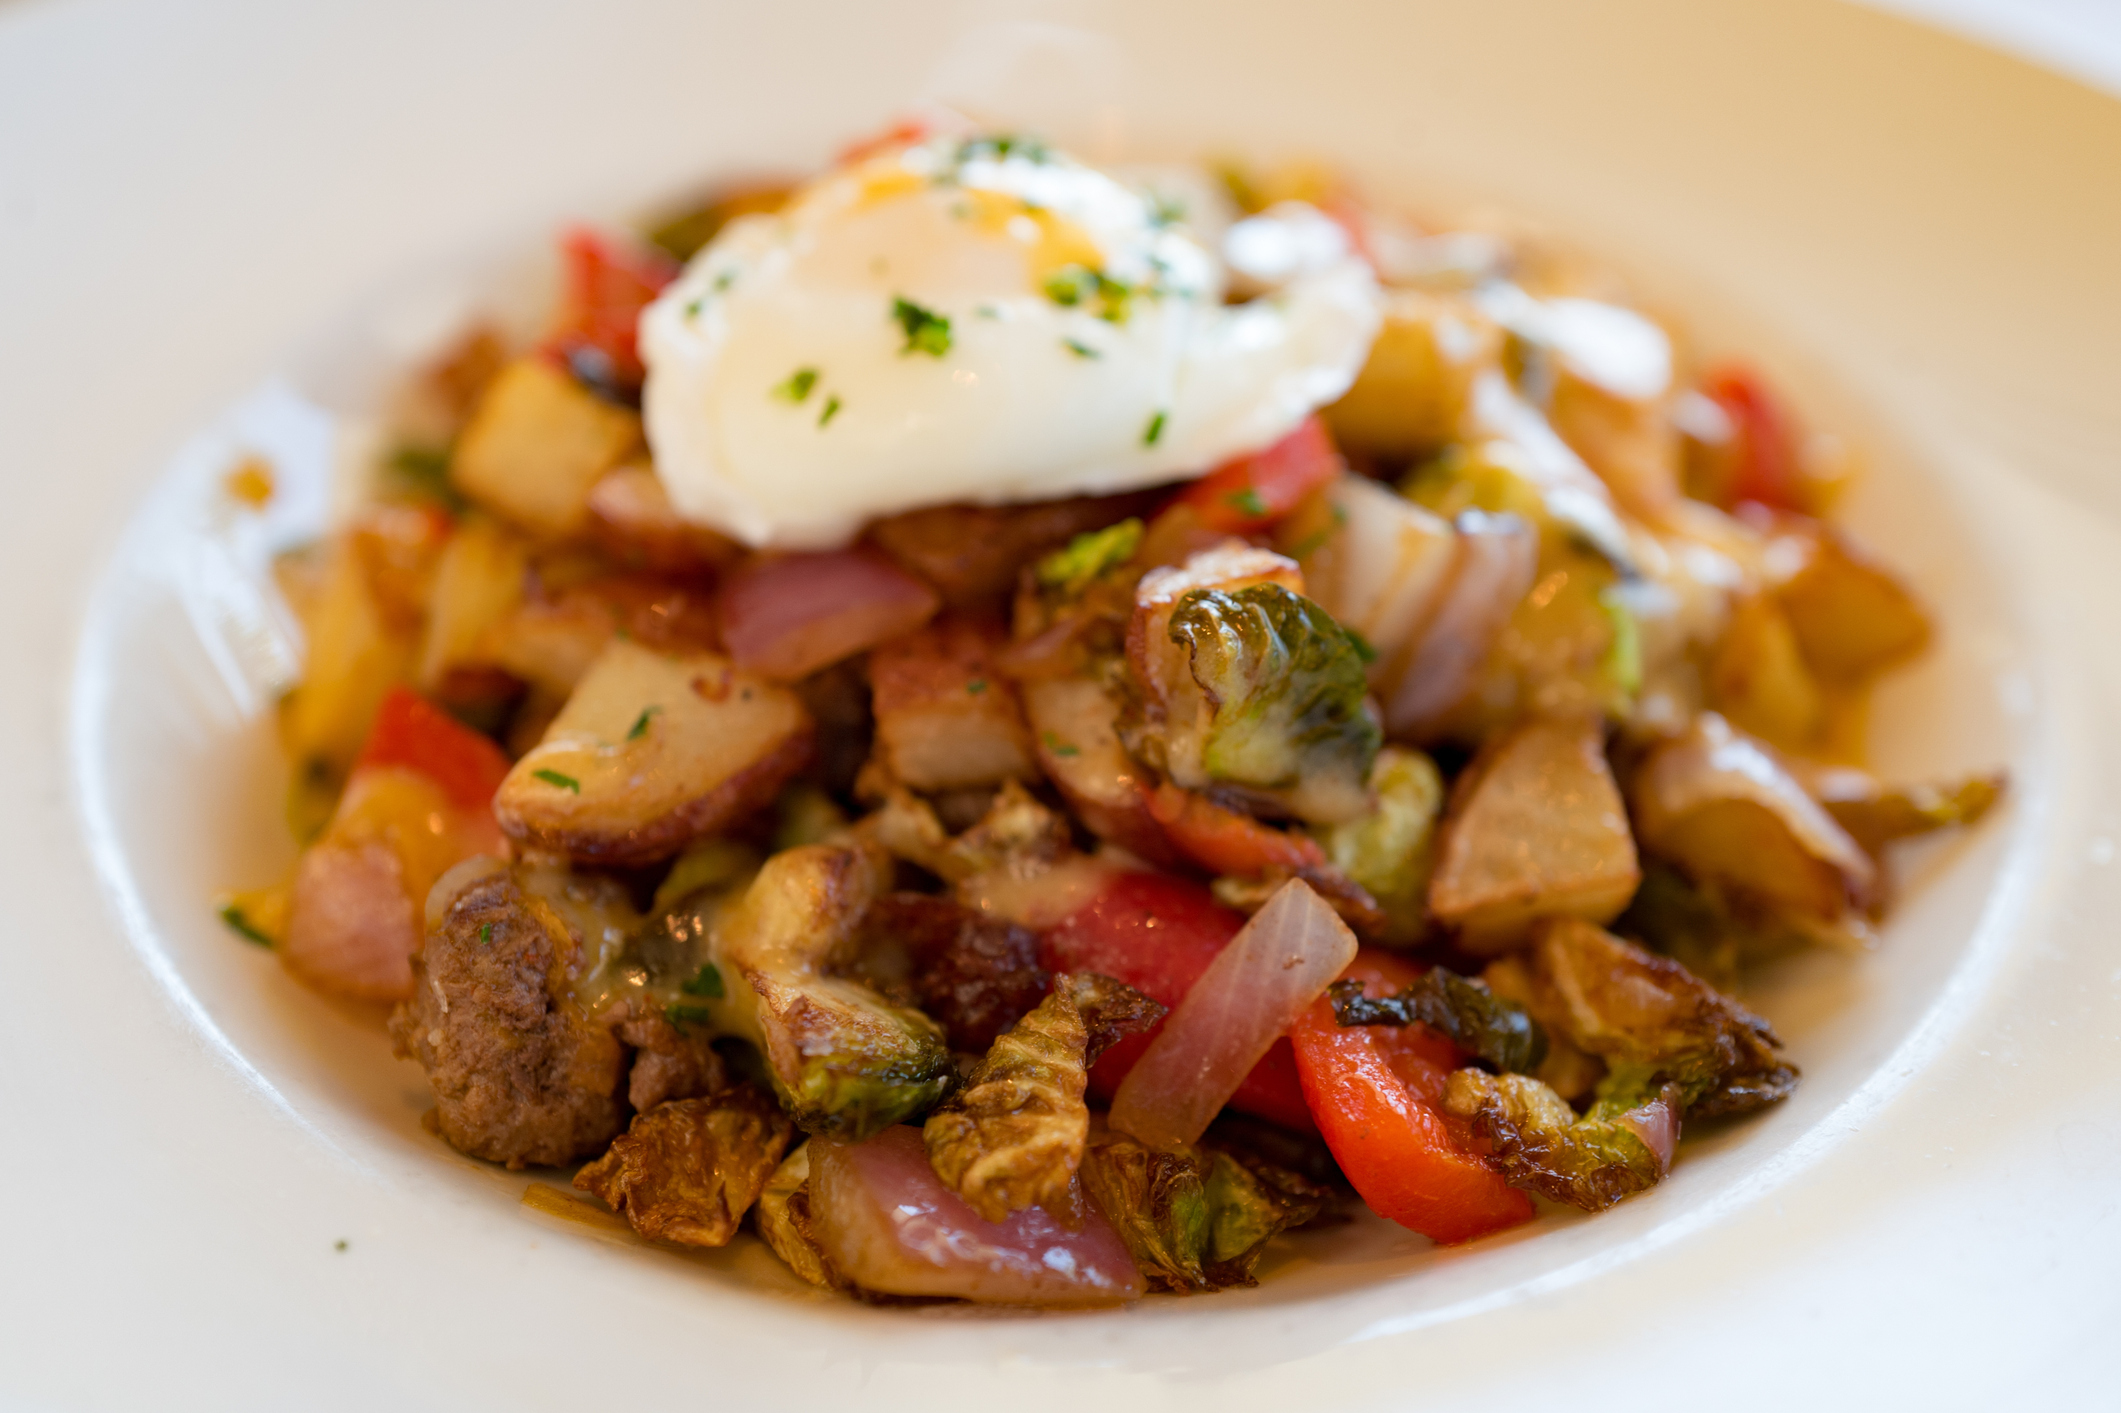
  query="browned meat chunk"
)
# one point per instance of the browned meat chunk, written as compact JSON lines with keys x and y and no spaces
{"x":669,"y":1062}
{"x":688,"y":1170}
{"x":974,"y":975}
{"x":520,"y":1074}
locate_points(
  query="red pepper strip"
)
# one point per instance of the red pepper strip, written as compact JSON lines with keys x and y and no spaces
{"x":903,"y":133}
{"x":412,"y":732}
{"x":1375,"y":1091}
{"x":1158,"y":934}
{"x":1251,"y":492}
{"x":606,"y":288}
{"x":1225,"y":841}
{"x":1767,"y":469}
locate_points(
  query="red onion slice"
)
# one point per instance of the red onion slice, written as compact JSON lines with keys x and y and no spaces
{"x":790,"y":615}
{"x":887,"y":1222}
{"x":1253,"y":991}
{"x":1498,"y":556}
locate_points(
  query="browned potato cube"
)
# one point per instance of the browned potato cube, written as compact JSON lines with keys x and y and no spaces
{"x":631,"y":517}
{"x":1758,"y":679}
{"x":478,"y":583}
{"x":1536,"y":829}
{"x":355,"y":655}
{"x":944,"y":719}
{"x":1852,"y":616}
{"x":537,"y":444}
{"x":1411,"y":391}
{"x":650,"y":752}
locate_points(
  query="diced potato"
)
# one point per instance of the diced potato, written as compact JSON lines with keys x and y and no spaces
{"x":478,"y":583}
{"x":1758,"y":679}
{"x":1728,"y":812}
{"x":1536,"y":829}
{"x":1851,"y":615}
{"x":945,"y":720}
{"x":551,"y":638}
{"x":1629,"y":442}
{"x":632,"y":518}
{"x":1412,"y":390}
{"x":650,"y":752}
{"x":400,"y":547}
{"x":1373,"y":559}
{"x":537,"y":444}
{"x":354,"y":657}
{"x":1076,"y":724}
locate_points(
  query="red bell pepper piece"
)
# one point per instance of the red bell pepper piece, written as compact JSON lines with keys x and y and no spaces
{"x":605,"y":288}
{"x":1158,"y":934}
{"x":1226,"y":841}
{"x":1251,"y":492}
{"x":1375,"y":1092}
{"x":412,"y":732}
{"x":1766,"y":469}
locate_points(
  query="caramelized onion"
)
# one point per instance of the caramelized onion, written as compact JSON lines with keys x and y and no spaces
{"x":1497,"y":557}
{"x":787,"y":616}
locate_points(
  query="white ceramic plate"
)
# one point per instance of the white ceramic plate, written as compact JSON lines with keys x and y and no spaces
{"x":242,"y":220}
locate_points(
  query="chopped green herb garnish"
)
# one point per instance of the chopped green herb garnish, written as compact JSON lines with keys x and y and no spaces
{"x":1002,"y":147}
{"x":1165,"y":210}
{"x":707,"y":981}
{"x":926,"y":331}
{"x":241,"y":926}
{"x":339,"y":1245}
{"x":693,"y":307}
{"x":976,"y":686}
{"x":798,"y":386}
{"x":564,"y":782}
{"x":1248,"y":502}
{"x":640,"y":723}
{"x":1074,"y":566}
{"x":724,"y":280}
{"x":988,"y":311}
{"x":1081,"y":349}
{"x":1073,"y":286}
{"x":1154,"y":431}
{"x":1058,"y":746}
{"x":682,"y":1016}
{"x":424,"y":471}
{"x":832,"y":409}
{"x":485,"y":934}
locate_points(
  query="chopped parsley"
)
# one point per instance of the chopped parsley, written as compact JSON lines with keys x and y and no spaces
{"x":693,"y":307}
{"x":339,"y":1245}
{"x":1165,"y":210}
{"x":1059,"y":747}
{"x":1079,"y":286}
{"x":926,"y":331}
{"x":798,"y":386}
{"x":485,"y":934}
{"x":640,"y":723}
{"x":243,"y":927}
{"x":1248,"y":502}
{"x":564,"y":782}
{"x":1154,"y":432}
{"x":1081,"y":349}
{"x":724,"y":280}
{"x":707,"y":981}
{"x":976,"y":686}
{"x":832,"y":409}
{"x":682,"y":1016}
{"x":1001,"y":147}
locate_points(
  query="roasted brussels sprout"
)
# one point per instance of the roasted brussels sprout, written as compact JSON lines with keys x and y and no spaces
{"x":1475,"y":1018}
{"x":1589,"y":1162}
{"x":1389,"y":850}
{"x":1194,"y":1218}
{"x":845,"y":1061}
{"x":1013,"y":1136}
{"x":1283,"y":712}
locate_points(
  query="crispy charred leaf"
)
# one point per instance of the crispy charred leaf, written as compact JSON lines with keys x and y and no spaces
{"x":1287,"y":688}
{"x":1194,"y":1218}
{"x":1388,"y":850}
{"x":1709,"y":933}
{"x":783,"y":1217}
{"x":1013,"y":1136}
{"x":971,"y":974}
{"x":1111,"y":1011}
{"x":1877,"y":817}
{"x":687,"y":1170}
{"x":1490,"y":1028}
{"x":1268,"y":1147}
{"x":1650,"y":1019}
{"x":1589,"y":1162}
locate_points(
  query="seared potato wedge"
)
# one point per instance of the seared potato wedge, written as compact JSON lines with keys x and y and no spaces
{"x":1758,"y":679}
{"x":1536,"y":829}
{"x":1727,"y":811}
{"x":537,"y":444}
{"x":478,"y":584}
{"x":945,"y":720}
{"x":650,"y":752}
{"x":355,"y":656}
{"x":1852,"y":616}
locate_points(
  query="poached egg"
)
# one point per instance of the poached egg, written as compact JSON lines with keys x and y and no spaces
{"x":972,"y":319}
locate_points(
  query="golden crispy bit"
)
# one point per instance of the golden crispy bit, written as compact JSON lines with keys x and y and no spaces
{"x":1013,"y":1136}
{"x":1589,"y":1162}
{"x":688,"y":1170}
